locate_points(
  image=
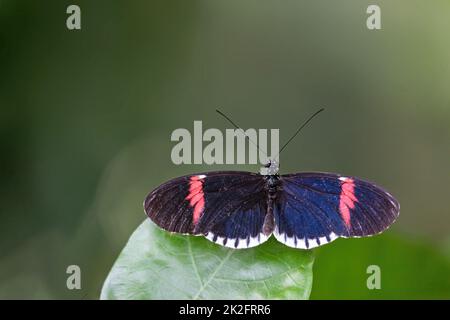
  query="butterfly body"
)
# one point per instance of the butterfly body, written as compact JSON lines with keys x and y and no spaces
{"x":273,"y":185}
{"x":241,"y":209}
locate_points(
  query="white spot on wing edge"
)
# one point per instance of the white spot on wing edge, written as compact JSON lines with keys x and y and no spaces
{"x":300,"y":243}
{"x":201,"y":176}
{"x":343,"y":178}
{"x":242,"y":242}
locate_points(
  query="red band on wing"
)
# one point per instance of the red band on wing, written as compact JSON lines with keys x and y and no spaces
{"x":196,"y":197}
{"x":347,"y":199}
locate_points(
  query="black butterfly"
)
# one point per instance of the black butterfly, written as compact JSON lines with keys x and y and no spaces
{"x":241,"y":209}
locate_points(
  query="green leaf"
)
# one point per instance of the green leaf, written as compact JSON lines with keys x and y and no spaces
{"x":156,"y":264}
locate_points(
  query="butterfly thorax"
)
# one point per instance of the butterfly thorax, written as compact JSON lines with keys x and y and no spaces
{"x":273,"y":182}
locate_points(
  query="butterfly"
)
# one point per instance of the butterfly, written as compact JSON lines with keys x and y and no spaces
{"x":240,"y":209}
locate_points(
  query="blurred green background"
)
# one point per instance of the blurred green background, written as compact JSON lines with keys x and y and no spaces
{"x":86,"y":118}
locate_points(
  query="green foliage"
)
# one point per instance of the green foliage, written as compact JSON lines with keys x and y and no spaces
{"x":409,"y":269}
{"x":158,"y":265}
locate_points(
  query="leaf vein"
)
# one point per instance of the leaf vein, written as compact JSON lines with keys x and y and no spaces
{"x":202,"y":288}
{"x":194,"y":263}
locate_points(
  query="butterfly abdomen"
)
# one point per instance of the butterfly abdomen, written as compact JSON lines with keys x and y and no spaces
{"x":273,"y":187}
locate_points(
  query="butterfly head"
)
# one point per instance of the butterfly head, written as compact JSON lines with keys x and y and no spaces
{"x":271,"y":168}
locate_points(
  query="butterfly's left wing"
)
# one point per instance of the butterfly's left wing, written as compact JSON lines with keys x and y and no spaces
{"x":227,"y":207}
{"x":315,"y":208}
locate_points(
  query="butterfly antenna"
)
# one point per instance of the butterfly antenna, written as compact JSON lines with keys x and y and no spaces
{"x":300,"y":128}
{"x":239,"y":128}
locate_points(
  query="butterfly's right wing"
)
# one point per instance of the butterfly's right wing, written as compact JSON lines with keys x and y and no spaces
{"x":228,"y":207}
{"x":315,"y":208}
